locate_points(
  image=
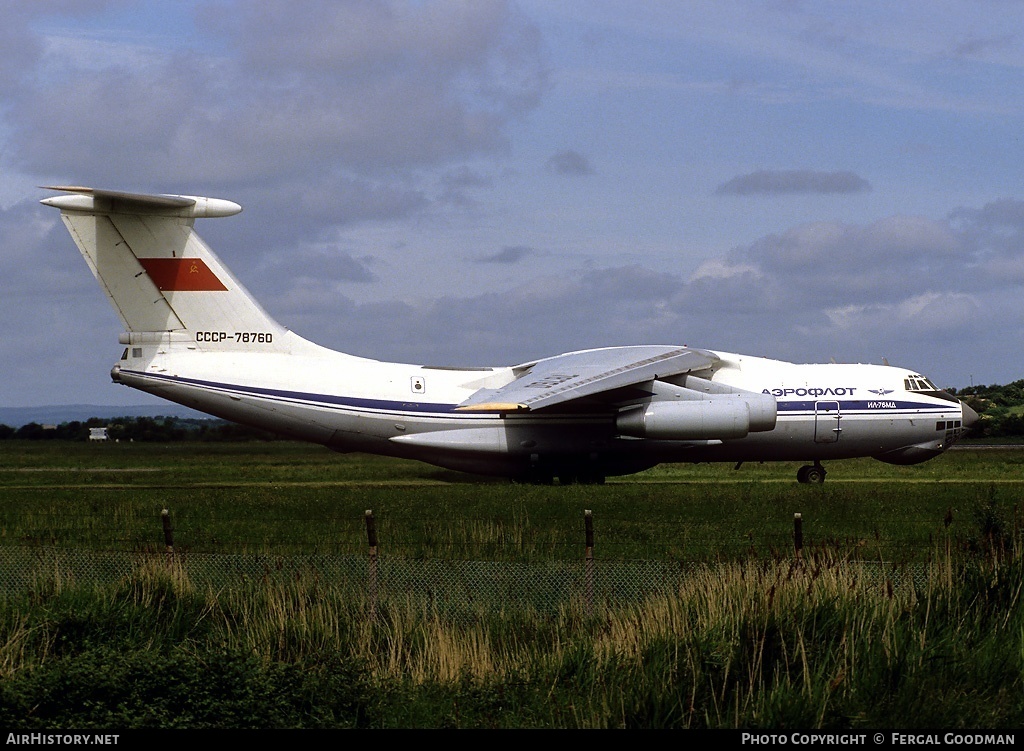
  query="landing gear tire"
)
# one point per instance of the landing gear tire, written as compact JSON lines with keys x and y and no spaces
{"x":581,"y":478}
{"x":813,"y":474}
{"x":536,"y":476}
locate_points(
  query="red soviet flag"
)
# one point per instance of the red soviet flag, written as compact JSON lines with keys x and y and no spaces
{"x":182,"y":275}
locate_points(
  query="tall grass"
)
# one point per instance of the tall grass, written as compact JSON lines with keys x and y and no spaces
{"x":751,"y":637}
{"x":757,"y":644}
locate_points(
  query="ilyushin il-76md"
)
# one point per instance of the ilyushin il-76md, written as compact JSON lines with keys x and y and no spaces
{"x":195,"y":336}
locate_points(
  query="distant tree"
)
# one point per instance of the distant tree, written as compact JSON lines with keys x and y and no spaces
{"x":1000,"y":408}
{"x":33,"y":431}
{"x":72,"y":431}
{"x":233,"y":432}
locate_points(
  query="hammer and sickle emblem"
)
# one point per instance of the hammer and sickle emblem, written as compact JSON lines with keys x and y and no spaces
{"x":193,"y":269}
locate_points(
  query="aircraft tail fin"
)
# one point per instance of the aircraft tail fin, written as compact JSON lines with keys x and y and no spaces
{"x":161,"y":278}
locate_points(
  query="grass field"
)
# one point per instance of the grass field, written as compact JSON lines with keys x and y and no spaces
{"x":749,"y":639}
{"x":288,"y":497}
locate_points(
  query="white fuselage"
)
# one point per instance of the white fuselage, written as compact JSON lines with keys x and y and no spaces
{"x":825,"y":411}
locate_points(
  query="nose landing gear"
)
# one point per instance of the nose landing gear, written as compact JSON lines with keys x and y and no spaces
{"x":811,"y":473}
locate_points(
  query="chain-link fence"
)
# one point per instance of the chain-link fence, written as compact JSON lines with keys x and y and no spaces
{"x":447,"y":588}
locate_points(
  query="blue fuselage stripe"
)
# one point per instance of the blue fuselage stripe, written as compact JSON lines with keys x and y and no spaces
{"x":789,"y":408}
{"x":302,"y":396}
{"x":860,"y":406}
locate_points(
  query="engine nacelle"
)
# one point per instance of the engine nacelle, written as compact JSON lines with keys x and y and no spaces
{"x":721,"y":418}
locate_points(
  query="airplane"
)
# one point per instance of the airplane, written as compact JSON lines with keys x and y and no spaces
{"x":194,"y":335}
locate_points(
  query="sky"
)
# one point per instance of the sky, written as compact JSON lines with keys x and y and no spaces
{"x":487,"y":182}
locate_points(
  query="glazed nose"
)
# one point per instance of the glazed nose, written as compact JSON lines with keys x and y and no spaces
{"x":968,"y":416}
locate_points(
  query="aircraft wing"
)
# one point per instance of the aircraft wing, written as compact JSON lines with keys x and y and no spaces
{"x":574,"y":375}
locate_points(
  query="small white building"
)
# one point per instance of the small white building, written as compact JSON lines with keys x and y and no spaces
{"x":98,"y":434}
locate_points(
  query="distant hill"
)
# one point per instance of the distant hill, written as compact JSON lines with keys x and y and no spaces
{"x":56,"y":414}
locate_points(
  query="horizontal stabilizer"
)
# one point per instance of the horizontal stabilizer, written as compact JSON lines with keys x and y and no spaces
{"x":92,"y":201}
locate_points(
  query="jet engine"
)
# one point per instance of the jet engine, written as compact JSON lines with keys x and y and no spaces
{"x":707,"y":418}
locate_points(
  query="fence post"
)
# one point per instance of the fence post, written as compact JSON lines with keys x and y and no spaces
{"x":165,"y":517}
{"x":798,"y":536}
{"x":371,"y":536}
{"x":588,"y":562}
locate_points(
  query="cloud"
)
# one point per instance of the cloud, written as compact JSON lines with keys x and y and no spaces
{"x":353,"y":88}
{"x":325,"y":264}
{"x":456,"y":184}
{"x":928,"y":314}
{"x":772,"y":182}
{"x":569,"y":162}
{"x":855,"y":292}
{"x":542,"y":317}
{"x":981,"y":46}
{"x":314,"y":120}
{"x":808,"y":270}
{"x":509,"y":254}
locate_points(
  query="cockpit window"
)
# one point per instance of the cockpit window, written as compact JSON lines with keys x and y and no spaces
{"x":918,"y":383}
{"x":921,"y":385}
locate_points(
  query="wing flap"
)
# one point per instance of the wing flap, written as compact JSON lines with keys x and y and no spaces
{"x":564,"y":378}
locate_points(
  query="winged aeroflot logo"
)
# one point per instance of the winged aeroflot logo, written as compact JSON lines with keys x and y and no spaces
{"x":880,"y":392}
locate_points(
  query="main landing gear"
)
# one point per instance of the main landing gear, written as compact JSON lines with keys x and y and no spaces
{"x":567,"y":475}
{"x":811,"y":473}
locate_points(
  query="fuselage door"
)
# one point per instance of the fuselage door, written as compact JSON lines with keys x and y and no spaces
{"x":826,"y":422}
